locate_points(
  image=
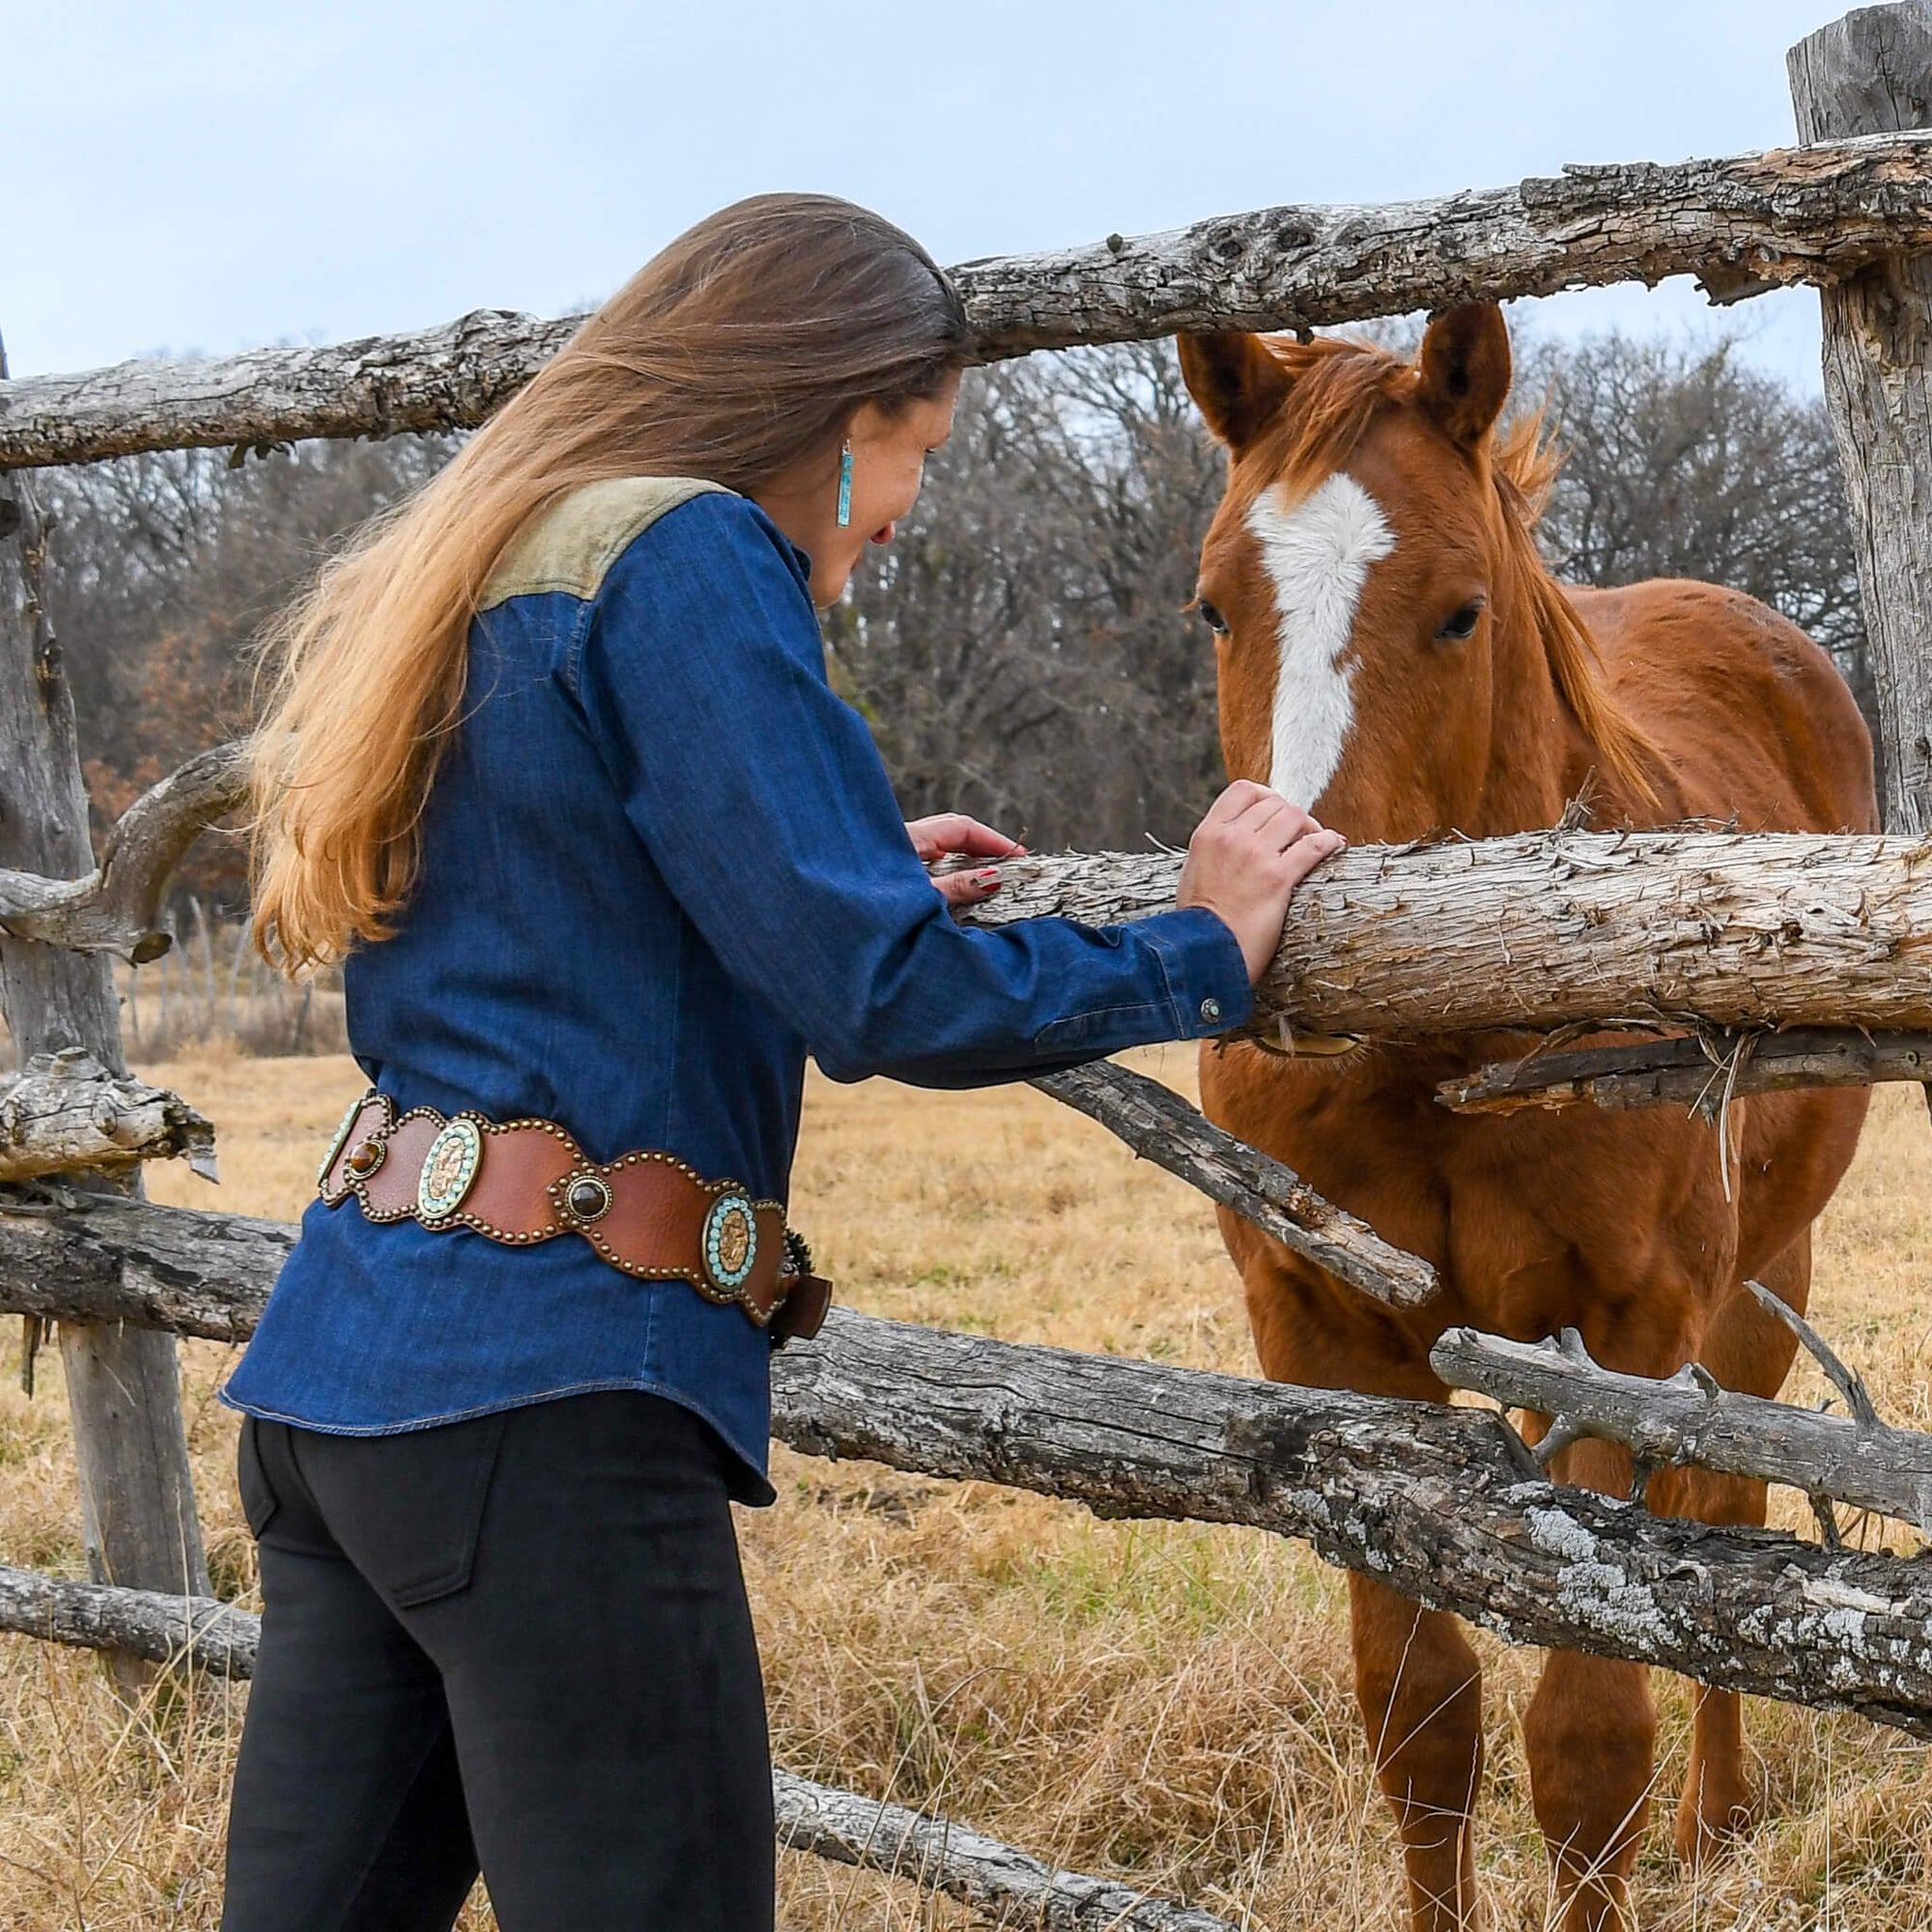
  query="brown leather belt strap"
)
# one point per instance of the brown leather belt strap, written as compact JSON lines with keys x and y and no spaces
{"x":524,"y":1182}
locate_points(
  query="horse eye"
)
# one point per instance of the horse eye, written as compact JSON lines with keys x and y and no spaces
{"x":1460,"y":624}
{"x":1211,"y":617}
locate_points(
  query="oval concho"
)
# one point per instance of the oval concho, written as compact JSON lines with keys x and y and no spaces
{"x":336,"y":1145}
{"x":730,"y":1242}
{"x":448,"y":1168}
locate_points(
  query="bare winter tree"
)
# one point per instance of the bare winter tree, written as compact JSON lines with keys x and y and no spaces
{"x":1024,"y":651}
{"x":165,"y":568}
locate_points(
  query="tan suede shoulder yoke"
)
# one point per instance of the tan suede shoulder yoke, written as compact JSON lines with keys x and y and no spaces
{"x":574,"y":543}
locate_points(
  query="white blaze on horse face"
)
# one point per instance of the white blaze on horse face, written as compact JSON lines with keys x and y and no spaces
{"x":1318,"y":557}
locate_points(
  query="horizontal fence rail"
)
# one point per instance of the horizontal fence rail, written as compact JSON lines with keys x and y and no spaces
{"x":1536,"y":931}
{"x":1548,"y":930}
{"x":1741,"y":224}
{"x":1444,"y":1504}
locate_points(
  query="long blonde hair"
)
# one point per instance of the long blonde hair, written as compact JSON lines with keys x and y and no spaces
{"x":741,"y":351}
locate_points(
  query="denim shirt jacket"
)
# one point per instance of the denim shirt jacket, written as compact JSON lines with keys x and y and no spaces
{"x":662,"y":863}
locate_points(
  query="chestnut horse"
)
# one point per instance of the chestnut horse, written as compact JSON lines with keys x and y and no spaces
{"x":1394,"y":654}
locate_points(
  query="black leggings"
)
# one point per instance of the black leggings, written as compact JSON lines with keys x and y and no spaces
{"x":520,"y":1641}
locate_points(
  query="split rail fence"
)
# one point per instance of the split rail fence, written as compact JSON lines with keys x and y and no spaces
{"x":1742,"y":964}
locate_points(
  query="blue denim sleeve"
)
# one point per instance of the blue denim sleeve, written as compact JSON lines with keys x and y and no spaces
{"x":763,"y":802}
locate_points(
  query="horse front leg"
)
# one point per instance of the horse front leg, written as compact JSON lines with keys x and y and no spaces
{"x":1418,"y":1681}
{"x":1590,"y":1734}
{"x":1747,"y":1350}
{"x":1420,"y":1688}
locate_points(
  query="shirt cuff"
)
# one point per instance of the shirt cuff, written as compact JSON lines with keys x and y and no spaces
{"x":1207,"y":986}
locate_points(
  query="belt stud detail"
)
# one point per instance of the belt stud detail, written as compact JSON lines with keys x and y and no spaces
{"x":730,"y":1242}
{"x":449,"y":1167}
{"x":586,"y":1198}
{"x":365,"y":1157}
{"x":341,"y":1136}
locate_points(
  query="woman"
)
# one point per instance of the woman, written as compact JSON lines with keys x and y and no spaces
{"x":554,"y":771}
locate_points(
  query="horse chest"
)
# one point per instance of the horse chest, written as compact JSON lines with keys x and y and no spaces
{"x":1536,"y":1221}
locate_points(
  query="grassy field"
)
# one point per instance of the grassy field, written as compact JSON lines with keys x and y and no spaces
{"x":1170,"y":1703}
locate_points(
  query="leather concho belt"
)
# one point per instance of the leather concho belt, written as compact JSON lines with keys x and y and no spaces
{"x":524,"y":1182}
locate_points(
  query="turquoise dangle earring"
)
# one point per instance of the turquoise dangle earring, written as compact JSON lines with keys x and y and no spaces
{"x":846,"y":485}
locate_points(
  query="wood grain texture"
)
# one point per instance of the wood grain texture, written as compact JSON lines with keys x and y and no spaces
{"x":1688,"y":1419}
{"x":1443,"y":1504}
{"x":1866,"y":74}
{"x":124,"y":1390}
{"x":1742,"y":224}
{"x":997,"y":1884}
{"x":150,"y":1623}
{"x":63,"y":1113}
{"x":1550,"y":928}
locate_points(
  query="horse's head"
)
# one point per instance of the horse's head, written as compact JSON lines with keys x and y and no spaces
{"x":1391,"y":652}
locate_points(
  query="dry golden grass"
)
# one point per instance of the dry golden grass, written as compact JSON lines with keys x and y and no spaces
{"x":1170,"y":1703}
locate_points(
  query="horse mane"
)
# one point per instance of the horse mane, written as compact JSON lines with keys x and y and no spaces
{"x":1525,"y":462}
{"x":1339,"y":384}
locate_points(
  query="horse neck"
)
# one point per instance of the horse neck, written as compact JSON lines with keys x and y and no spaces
{"x":1540,"y":756}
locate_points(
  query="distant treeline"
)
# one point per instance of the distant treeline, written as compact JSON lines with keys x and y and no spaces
{"x":1023,"y":651}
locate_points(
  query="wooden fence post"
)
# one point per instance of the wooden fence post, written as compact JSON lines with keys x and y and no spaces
{"x":124,"y":1390}
{"x":1871,"y":73}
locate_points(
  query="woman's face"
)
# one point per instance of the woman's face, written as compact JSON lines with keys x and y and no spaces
{"x":889,"y":452}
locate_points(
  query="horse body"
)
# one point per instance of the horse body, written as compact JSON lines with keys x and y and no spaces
{"x":1393,"y":653}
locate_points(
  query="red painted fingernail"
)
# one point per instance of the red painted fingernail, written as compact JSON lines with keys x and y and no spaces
{"x":986,"y":878}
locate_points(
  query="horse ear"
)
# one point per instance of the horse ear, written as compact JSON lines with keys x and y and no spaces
{"x":1236,"y":379}
{"x":1465,"y":367}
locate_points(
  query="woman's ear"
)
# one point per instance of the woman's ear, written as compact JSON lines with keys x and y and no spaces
{"x":1236,"y":379}
{"x":1464,"y":370}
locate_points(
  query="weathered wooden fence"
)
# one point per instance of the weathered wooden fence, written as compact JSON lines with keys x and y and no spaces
{"x":1768,"y":961}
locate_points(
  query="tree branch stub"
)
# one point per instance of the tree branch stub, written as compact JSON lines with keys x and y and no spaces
{"x":1162,"y":1127}
{"x":63,"y":1113}
{"x":1691,"y":1421}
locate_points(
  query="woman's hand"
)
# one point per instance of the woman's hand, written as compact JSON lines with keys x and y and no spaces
{"x":1244,"y":861}
{"x":950,"y":832}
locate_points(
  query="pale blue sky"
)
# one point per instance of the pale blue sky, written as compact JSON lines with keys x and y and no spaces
{"x":203,"y":176}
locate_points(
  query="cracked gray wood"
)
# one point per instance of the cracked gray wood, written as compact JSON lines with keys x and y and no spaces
{"x":1870,"y":74}
{"x":1443,"y":1504}
{"x":124,"y":1391}
{"x":1690,"y":1419}
{"x":993,"y":1879}
{"x":159,"y":1626}
{"x":1546,"y":930}
{"x":116,"y":906}
{"x":63,"y":1113}
{"x":1689,"y":1072}
{"x":997,"y":1884}
{"x":1743,"y":224}
{"x":1162,"y":1127}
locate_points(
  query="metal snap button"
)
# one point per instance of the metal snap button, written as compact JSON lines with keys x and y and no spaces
{"x":1211,"y":1010}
